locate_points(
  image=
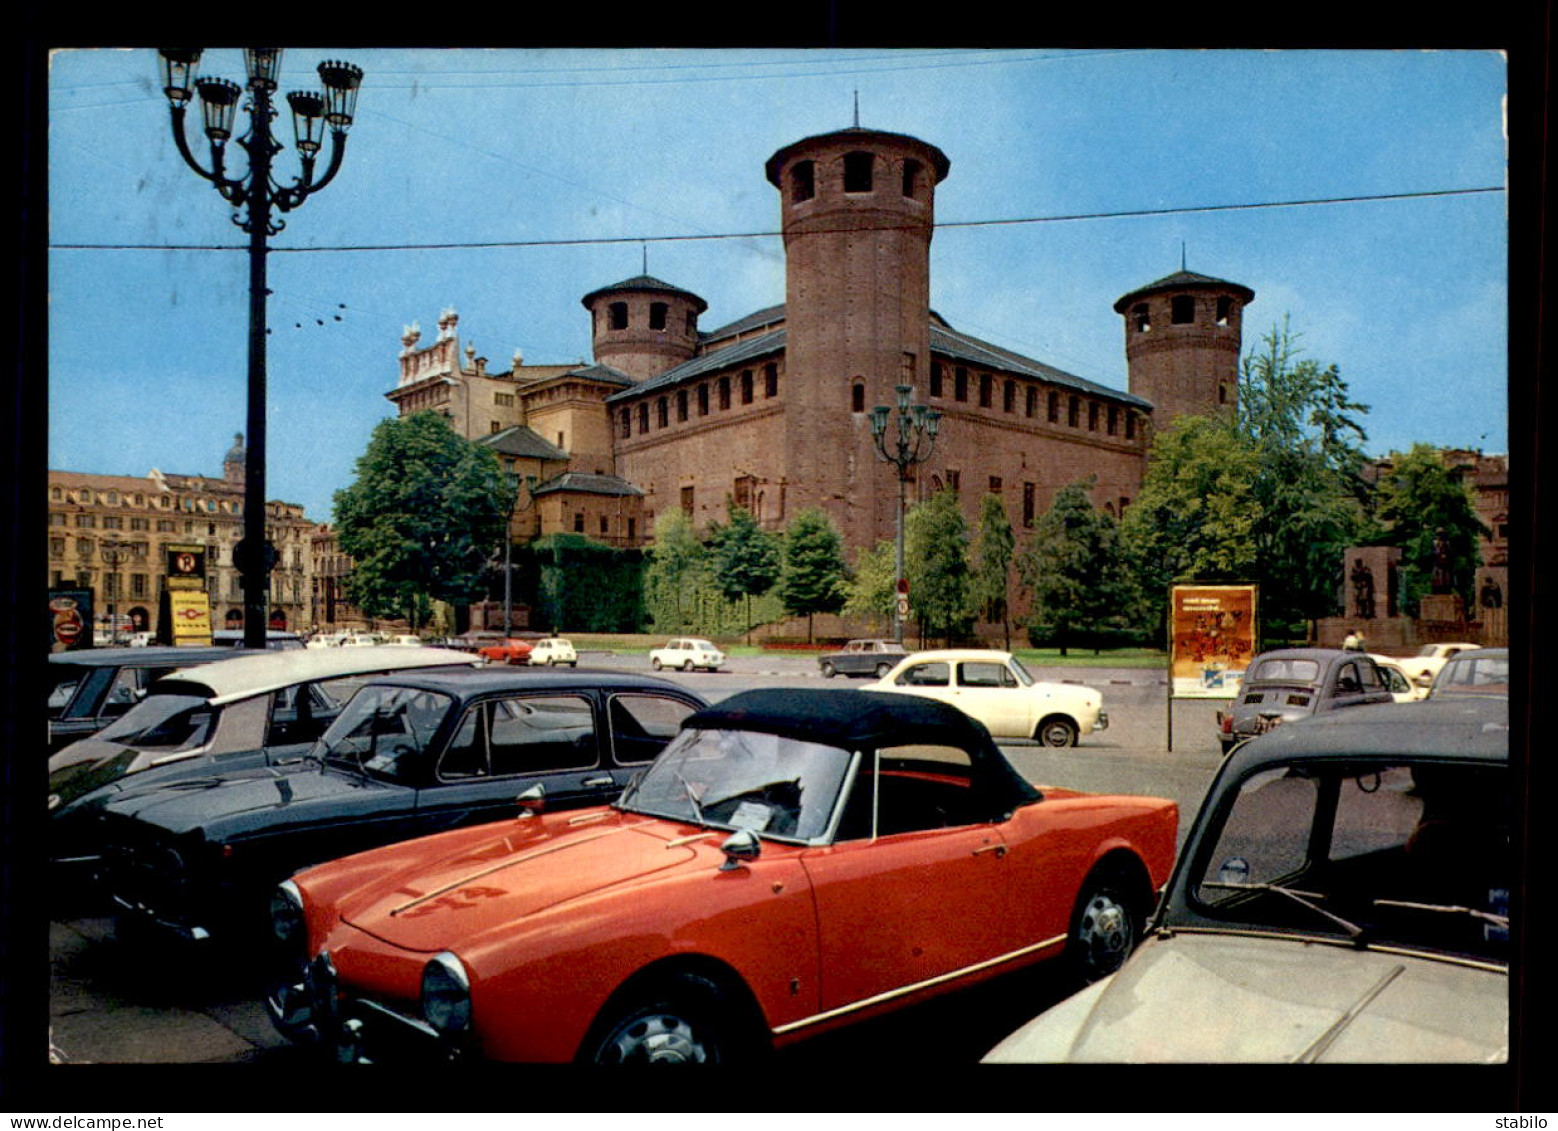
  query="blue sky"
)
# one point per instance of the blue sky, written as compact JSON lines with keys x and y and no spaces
{"x":590,"y":160}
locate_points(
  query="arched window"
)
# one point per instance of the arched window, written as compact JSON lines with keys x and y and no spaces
{"x":627,"y":423}
{"x":662,"y":412}
{"x":985,"y":381}
{"x":1031,"y":407}
{"x":803,"y":182}
{"x":857,"y":397}
{"x":1140,"y":318}
{"x":643,"y":417}
{"x":746,"y":386}
{"x":911,"y":178}
{"x":724,"y":393}
{"x":681,"y":404}
{"x":1009,"y":397}
{"x":857,"y":172}
{"x":771,"y":380}
{"x":1224,"y":310}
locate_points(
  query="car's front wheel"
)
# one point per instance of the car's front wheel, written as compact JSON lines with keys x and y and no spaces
{"x":882,"y":670}
{"x":1104,"y":929}
{"x":680,"y":1019}
{"x":829,"y":671}
{"x":1057,"y":730}
{"x":687,"y":665}
{"x":654,"y":662}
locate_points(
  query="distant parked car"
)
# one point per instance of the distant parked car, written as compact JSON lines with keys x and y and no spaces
{"x":687,"y":653}
{"x":1478,"y":672}
{"x":794,"y":860}
{"x":509,"y":650}
{"x":412,"y":753}
{"x":554,"y":650}
{"x":247,"y":708}
{"x":862,"y":658}
{"x":90,"y":688}
{"x":996,"y":689}
{"x":1292,"y":683}
{"x":275,"y":638}
{"x":1429,"y":659}
{"x":1397,"y":682}
{"x":1343,"y":896}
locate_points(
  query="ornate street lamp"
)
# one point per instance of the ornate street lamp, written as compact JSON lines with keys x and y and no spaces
{"x":257,"y":195}
{"x":113,"y":551}
{"x":917,"y":429}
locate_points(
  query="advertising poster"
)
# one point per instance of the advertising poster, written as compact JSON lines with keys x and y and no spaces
{"x":190,"y":610}
{"x":1211,"y":639}
{"x":70,"y":619}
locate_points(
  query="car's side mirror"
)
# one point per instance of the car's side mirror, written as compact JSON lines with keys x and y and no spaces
{"x":739,"y":847}
{"x":532,"y":802}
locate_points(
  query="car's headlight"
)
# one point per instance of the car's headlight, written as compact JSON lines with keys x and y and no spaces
{"x":446,"y":994}
{"x":286,"y":917}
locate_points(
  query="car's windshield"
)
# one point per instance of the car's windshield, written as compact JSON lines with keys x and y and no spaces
{"x":65,"y":679}
{"x":165,"y":722}
{"x":1392,"y":853}
{"x":737,"y":779}
{"x":384,"y":732}
{"x":1474,"y":675}
{"x":1285,"y":671}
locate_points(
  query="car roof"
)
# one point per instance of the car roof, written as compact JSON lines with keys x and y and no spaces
{"x":258,"y":672}
{"x":1475,"y":653}
{"x":480,"y":680}
{"x":1428,"y":729}
{"x":152,"y":656}
{"x":958,"y":654}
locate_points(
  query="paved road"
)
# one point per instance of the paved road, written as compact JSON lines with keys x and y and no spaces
{"x":128,"y":1000}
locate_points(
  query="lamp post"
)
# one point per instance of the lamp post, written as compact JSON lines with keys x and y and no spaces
{"x":917,"y":429}
{"x":508,"y":540}
{"x":256,"y":194}
{"x":113,"y":552}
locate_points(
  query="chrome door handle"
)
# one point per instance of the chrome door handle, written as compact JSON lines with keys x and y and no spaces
{"x":592,"y":783}
{"x":998,"y":849}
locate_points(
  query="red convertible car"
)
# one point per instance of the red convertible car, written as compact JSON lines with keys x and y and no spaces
{"x":791,"y":862}
{"x":507,"y":651}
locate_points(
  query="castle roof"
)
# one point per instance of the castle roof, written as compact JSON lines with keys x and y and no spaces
{"x":646,"y":283}
{"x":853,"y":133}
{"x":580,"y":482}
{"x":711,"y":362}
{"x":1180,"y":281}
{"x":523,"y":443}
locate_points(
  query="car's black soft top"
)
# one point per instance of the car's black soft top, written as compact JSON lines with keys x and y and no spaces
{"x":866,"y":720}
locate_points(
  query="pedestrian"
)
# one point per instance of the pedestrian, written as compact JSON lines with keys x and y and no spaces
{"x":1354,"y":641}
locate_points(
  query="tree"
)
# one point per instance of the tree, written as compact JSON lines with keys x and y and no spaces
{"x":936,"y":542}
{"x":1074,"y":568}
{"x":677,"y":572}
{"x":873,"y":590}
{"x":1428,"y":510}
{"x":994,"y":549}
{"x":814,"y":576}
{"x":421,"y":519}
{"x":743,"y":558}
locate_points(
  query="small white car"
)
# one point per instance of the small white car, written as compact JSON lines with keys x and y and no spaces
{"x":996,"y":689}
{"x":553,"y":650}
{"x":687,"y":653}
{"x":1430,"y":658}
{"x":1396,"y":679}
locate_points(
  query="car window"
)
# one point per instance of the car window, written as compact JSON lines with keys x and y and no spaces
{"x":163,"y":722}
{"x":522,"y":735}
{"x":937,"y":674}
{"x":124,"y":693}
{"x":984,"y":673}
{"x":642,"y":725}
{"x":1347,"y":680}
{"x":385,"y":731}
{"x":1395,"y":682}
{"x":1287,"y":671}
{"x":913,"y":789}
{"x":66,"y":680}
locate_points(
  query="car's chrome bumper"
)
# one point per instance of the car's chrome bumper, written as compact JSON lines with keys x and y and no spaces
{"x":310,"y":1009}
{"x":190,"y":931}
{"x":1103,"y":721}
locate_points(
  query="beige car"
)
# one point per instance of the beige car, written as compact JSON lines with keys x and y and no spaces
{"x":554,"y":650}
{"x":996,"y":689}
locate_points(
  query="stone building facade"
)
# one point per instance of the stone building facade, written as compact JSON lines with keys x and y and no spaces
{"x":109,"y":533}
{"x":773,"y":411}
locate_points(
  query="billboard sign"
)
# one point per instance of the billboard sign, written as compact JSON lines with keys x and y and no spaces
{"x":190,"y":613}
{"x":70,"y":619}
{"x":1211,"y":639}
{"x":186,"y":566}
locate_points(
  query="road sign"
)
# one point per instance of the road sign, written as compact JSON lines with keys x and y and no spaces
{"x":903,"y":607}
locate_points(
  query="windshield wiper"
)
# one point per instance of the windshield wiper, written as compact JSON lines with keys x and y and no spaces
{"x":1487,"y":916}
{"x":1302,"y":898}
{"x":697,"y":809}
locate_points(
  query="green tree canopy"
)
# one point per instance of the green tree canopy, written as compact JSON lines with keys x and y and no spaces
{"x":1428,"y":509}
{"x":872,"y":591}
{"x":1074,"y":568}
{"x":743,"y":558}
{"x":994,"y":551}
{"x":424,"y":514}
{"x":814,"y":578}
{"x":936,"y":541}
{"x":678,"y":569}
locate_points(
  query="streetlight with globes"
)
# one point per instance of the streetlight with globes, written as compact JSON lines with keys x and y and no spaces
{"x":917,"y":429}
{"x":257,"y":196}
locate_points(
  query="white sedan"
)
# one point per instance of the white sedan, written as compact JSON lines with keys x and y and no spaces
{"x":996,"y":689}
{"x":687,"y":653}
{"x":1430,"y":658}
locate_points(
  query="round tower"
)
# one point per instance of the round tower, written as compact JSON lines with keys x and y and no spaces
{"x":644,"y":326}
{"x":857,"y":209}
{"x":1182,"y":344}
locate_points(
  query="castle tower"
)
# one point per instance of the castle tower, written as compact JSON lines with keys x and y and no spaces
{"x":1182,"y":344}
{"x":644,"y":326}
{"x":857,"y":210}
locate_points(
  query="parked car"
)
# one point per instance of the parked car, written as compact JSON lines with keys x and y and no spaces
{"x":1292,"y":683}
{"x":509,"y":650}
{"x":1397,"y":682}
{"x":411,"y":753}
{"x":251,"y":707}
{"x":1475,"y":672}
{"x":996,"y":689}
{"x":687,"y":653}
{"x":90,"y":688}
{"x":795,"y":860}
{"x":275,"y":638}
{"x":1429,"y":659}
{"x":862,"y":658}
{"x":1343,"y":896}
{"x":554,"y":650}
